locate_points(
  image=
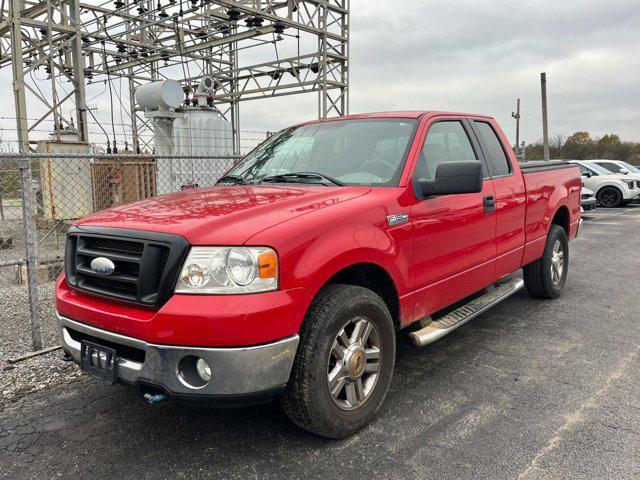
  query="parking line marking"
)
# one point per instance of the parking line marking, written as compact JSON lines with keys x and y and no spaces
{"x":577,"y":416}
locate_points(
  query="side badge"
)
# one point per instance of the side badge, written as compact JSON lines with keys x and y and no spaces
{"x":397,"y":219}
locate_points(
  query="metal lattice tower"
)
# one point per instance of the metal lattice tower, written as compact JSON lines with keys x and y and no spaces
{"x":239,"y":43}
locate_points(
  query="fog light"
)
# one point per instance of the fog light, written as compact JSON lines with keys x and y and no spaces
{"x":203,"y":369}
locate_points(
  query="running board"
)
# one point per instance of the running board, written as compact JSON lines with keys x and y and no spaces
{"x":461,"y":315}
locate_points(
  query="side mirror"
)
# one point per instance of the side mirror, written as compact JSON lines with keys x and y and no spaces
{"x":624,"y":171}
{"x":586,"y":174}
{"x":454,"y":177}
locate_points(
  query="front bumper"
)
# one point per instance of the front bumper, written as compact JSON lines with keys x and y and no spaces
{"x":588,"y":203}
{"x":236,"y":373}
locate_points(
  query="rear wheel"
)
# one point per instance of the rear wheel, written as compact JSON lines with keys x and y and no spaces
{"x":610,"y":197}
{"x":545,"y":278}
{"x":344,"y":364}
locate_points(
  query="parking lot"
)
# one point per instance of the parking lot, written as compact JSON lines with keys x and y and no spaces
{"x":530,"y":390}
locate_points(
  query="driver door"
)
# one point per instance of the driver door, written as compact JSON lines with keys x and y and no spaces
{"x":454,"y":251}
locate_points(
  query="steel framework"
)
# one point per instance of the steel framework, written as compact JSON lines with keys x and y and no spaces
{"x":254,"y":49}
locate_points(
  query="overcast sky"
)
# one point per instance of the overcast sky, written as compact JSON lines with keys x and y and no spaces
{"x":479,"y":56}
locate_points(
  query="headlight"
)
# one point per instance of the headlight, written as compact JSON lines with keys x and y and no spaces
{"x":630,"y":183}
{"x":227,"y":270}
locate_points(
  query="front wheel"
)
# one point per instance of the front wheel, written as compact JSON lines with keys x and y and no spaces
{"x":344,"y":364}
{"x":545,"y":278}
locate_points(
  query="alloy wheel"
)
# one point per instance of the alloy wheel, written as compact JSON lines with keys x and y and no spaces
{"x":354,"y":363}
{"x":557,"y":262}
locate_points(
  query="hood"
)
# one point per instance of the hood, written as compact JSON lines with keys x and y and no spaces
{"x":628,"y":176}
{"x":222,"y":215}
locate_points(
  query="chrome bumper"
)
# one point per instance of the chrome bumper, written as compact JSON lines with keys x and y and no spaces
{"x":235,"y":371}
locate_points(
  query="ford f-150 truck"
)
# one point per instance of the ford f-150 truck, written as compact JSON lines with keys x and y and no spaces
{"x":291,"y":277}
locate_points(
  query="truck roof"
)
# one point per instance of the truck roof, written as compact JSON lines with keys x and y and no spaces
{"x":414,"y":114}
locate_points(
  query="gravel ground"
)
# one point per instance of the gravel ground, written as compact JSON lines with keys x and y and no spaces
{"x":15,"y":334}
{"x":529,"y":390}
{"x":22,"y":378}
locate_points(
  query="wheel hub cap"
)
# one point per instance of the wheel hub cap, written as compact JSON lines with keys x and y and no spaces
{"x":355,"y":361}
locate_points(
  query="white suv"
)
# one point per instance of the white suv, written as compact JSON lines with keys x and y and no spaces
{"x":617,"y":166}
{"x":612,"y":190}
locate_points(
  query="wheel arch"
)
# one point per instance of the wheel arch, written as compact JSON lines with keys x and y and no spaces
{"x":562,"y":218}
{"x":610,"y":185}
{"x":375,"y":278}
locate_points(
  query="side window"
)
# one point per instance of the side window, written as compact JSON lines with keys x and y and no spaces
{"x":446,"y":141}
{"x":612,"y":167}
{"x":584,"y":170}
{"x":497,"y":156}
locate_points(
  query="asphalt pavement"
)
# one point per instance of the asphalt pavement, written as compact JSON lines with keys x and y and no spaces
{"x":529,"y":390}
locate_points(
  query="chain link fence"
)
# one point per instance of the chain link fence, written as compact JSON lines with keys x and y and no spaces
{"x":42,"y":194}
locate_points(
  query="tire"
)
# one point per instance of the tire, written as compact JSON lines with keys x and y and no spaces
{"x":541,"y":277}
{"x":307,"y":400}
{"x":610,"y":197}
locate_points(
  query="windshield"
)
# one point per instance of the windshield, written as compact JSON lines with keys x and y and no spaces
{"x":630,"y":167}
{"x":351,"y":152}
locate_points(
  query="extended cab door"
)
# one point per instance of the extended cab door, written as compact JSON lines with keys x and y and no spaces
{"x":509,"y":192}
{"x":453,"y":235}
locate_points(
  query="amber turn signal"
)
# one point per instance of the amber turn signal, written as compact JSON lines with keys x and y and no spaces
{"x":267,"y":265}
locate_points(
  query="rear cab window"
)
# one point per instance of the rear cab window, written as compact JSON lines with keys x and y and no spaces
{"x":493,"y":149}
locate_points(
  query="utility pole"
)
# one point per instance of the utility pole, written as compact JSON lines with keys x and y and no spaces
{"x":516,"y":115}
{"x":545,"y":126}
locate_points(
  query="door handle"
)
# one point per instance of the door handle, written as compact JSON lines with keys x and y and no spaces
{"x":489,"y":203}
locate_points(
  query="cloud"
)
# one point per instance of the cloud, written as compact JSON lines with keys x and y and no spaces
{"x":481,"y":55}
{"x":477,"y":56}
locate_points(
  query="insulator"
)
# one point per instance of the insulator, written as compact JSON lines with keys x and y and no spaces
{"x":233,"y":14}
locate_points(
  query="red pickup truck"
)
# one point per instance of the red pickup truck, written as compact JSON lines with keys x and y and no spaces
{"x":291,"y":276}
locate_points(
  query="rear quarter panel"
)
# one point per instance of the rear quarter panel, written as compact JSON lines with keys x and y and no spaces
{"x":547,"y":192}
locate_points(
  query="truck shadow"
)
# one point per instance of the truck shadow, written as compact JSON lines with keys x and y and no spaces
{"x":90,"y":415}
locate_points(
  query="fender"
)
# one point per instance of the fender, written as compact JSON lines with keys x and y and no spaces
{"x":314,"y":267}
{"x":359,"y":234}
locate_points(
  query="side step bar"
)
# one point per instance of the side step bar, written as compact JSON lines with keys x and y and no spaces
{"x":439,"y":328}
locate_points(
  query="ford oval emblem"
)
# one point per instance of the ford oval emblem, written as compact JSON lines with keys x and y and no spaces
{"x":102,"y":266}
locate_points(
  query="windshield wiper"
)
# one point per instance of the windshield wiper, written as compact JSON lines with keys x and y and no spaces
{"x":232,"y":178}
{"x":298,"y":176}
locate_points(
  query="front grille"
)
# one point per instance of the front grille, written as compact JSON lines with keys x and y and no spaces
{"x":117,"y":245}
{"x":146,"y":263}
